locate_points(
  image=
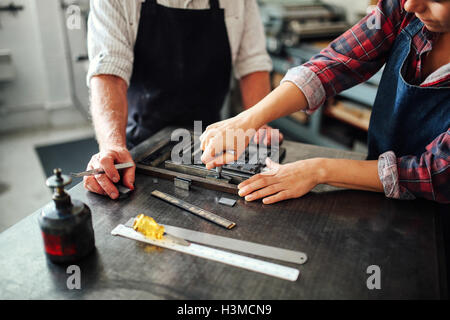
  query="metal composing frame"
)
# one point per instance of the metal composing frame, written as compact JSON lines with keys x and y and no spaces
{"x":153,"y":157}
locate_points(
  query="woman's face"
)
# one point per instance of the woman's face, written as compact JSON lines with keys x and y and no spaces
{"x":435,"y":14}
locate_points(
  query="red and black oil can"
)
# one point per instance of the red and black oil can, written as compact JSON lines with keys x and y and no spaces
{"x":66,"y":224}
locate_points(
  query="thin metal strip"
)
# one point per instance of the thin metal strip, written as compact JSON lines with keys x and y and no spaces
{"x":234,"y":244}
{"x":228,"y":258}
{"x":194,"y":209}
{"x":197,"y":181}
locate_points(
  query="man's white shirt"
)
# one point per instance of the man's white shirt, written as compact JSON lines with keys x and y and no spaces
{"x":113,"y":26}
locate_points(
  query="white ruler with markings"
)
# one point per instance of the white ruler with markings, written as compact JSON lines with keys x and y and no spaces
{"x":232,"y":259}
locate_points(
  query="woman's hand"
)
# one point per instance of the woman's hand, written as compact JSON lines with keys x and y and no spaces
{"x":265,"y":134}
{"x":223,"y":142}
{"x":282,"y":182}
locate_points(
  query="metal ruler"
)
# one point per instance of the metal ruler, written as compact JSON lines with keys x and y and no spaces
{"x":232,"y":259}
{"x":194,"y":209}
{"x":234,"y":244}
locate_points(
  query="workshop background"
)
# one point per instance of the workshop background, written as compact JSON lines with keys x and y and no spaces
{"x":44,"y":100}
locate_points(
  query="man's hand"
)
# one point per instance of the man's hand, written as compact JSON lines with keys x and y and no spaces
{"x":104,"y":183}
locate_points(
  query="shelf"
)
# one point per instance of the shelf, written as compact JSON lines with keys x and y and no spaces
{"x":350,"y":113}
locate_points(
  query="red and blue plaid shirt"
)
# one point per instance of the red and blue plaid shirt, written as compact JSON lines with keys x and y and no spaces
{"x":356,"y":56}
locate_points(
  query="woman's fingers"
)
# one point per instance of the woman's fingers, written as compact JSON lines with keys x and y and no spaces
{"x":260,"y":135}
{"x":258,"y":183}
{"x":224,"y":158}
{"x":280,"y":196}
{"x":261,"y":193}
{"x":272,"y":168}
{"x":266,"y":134}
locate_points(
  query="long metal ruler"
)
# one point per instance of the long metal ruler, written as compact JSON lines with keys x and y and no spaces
{"x":194,"y":209}
{"x":234,"y":244}
{"x":232,"y":259}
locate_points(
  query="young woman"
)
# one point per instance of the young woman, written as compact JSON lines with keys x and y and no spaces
{"x":409,"y":133}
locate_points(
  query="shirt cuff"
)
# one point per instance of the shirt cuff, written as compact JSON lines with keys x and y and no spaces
{"x":309,"y":83}
{"x":103,"y":64}
{"x":252,"y":64}
{"x":388,"y":174}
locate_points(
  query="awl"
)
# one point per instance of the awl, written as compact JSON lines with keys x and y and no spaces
{"x":92,"y":172}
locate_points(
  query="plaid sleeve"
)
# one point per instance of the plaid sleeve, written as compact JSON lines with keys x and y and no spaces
{"x":358,"y":53}
{"x":427,"y":176}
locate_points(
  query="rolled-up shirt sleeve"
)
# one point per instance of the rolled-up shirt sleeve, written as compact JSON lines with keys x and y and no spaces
{"x":426,"y":176}
{"x":110,"y":42}
{"x":350,"y":59}
{"x":252,"y":55}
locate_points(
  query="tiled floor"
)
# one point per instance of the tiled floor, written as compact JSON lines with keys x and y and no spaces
{"x":22,"y":179}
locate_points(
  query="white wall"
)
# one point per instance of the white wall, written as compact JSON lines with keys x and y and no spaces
{"x":353,"y":7}
{"x":35,"y":36}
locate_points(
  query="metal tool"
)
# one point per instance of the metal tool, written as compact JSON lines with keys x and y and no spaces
{"x":234,"y":244}
{"x":227,"y":202}
{"x":194,"y":209}
{"x":66,"y":224}
{"x":176,"y":240}
{"x":100,"y":170}
{"x":219,"y":172}
{"x":182,"y":183}
{"x":268,"y":268}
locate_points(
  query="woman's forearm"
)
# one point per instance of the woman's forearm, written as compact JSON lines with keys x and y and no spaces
{"x":352,"y":174}
{"x":109,"y":110}
{"x":282,"y":101}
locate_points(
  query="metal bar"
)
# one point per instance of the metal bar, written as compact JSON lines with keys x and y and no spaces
{"x":234,"y":244}
{"x":194,"y":209}
{"x":196,"y":181}
{"x":236,"y":177}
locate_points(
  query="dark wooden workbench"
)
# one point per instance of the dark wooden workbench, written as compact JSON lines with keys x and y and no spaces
{"x":342,"y":231}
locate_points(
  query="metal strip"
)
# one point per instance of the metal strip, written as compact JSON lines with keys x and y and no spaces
{"x":235,"y":244}
{"x":194,"y":209}
{"x":215,"y":184}
{"x":268,"y":268}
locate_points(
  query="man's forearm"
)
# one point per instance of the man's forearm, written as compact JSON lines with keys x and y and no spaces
{"x":109,"y":110}
{"x":254,"y":87}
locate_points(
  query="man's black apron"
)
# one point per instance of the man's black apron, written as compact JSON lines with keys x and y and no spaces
{"x":181,"y":71}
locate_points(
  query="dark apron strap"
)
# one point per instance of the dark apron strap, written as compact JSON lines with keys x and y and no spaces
{"x":213,"y":4}
{"x":175,"y":51}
